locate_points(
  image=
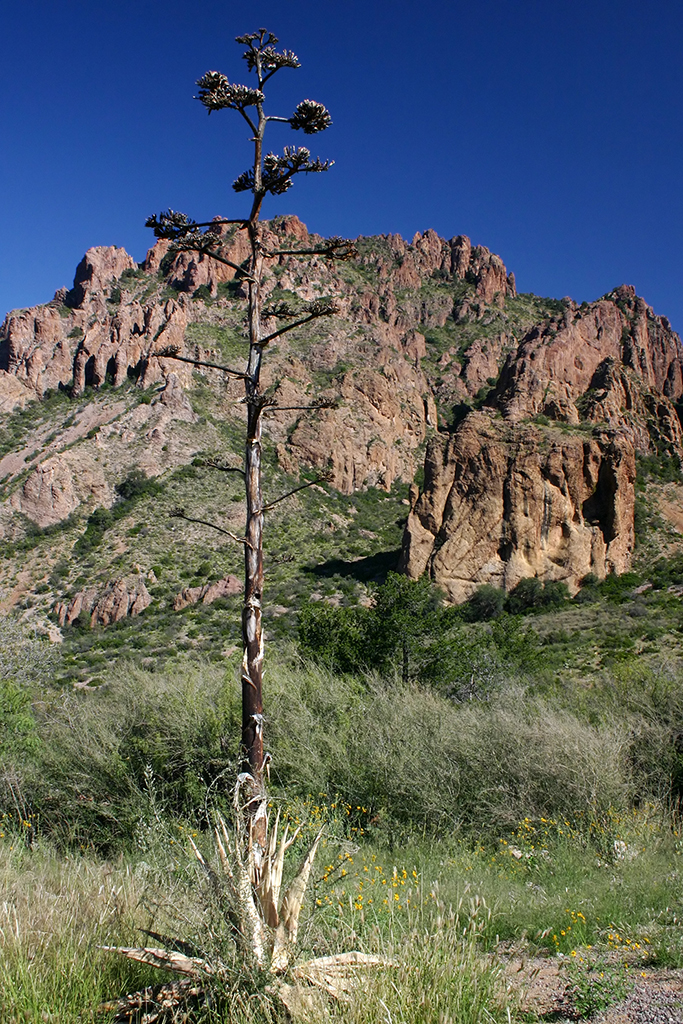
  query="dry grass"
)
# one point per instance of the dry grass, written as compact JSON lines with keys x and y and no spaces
{"x":54,"y":912}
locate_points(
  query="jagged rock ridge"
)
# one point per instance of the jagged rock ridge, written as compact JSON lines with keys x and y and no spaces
{"x":432,"y":344}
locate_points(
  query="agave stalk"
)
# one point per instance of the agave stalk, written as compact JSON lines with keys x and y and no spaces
{"x":247,"y":875}
{"x":272,"y":174}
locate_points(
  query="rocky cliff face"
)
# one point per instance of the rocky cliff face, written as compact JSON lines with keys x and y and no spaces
{"x":502,"y":502}
{"x":541,"y":481}
{"x":531,"y":410}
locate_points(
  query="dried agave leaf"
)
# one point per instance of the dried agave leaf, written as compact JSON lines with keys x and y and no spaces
{"x":294,"y":897}
{"x":286,"y":932}
{"x":271,"y":881}
{"x":269,"y":886}
{"x":222,"y":852}
{"x":165,"y":959}
{"x":337,"y":974}
{"x":301,"y":1002}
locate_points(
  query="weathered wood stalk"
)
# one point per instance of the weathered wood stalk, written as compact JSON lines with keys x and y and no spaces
{"x":269,"y":174}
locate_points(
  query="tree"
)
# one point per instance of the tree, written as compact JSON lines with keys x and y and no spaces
{"x":402,"y":632}
{"x":263,"y":923}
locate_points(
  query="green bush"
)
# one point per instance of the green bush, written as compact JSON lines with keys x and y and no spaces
{"x":88,"y":782}
{"x":98,"y":523}
{"x":404,"y":630}
{"x":203,"y":293}
{"x":413,"y":757}
{"x":664,"y":467}
{"x":667,"y":572}
{"x":487,"y":602}
{"x":138,"y":485}
{"x":135,"y":486}
{"x":618,"y":589}
{"x":18,"y":733}
{"x":531,"y":595}
{"x":418,"y":760}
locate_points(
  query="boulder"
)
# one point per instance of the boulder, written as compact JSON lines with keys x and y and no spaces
{"x":58,"y":485}
{"x":120,"y":599}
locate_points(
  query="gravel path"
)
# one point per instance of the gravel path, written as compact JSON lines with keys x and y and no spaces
{"x":656,"y":997}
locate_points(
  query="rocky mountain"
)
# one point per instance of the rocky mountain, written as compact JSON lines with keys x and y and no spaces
{"x":527,"y":414}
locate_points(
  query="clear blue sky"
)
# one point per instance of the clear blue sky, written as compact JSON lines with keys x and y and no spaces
{"x":549,"y":131}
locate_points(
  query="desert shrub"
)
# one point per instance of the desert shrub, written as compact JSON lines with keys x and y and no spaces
{"x":18,"y":734}
{"x":98,"y":523}
{"x":203,"y":292}
{"x":138,"y":485}
{"x":487,"y":602}
{"x":526,"y":596}
{"x":416,"y":759}
{"x":409,"y":631}
{"x":477,"y":758}
{"x":531,"y":595}
{"x":618,"y":589}
{"x":133,"y":273}
{"x":662,"y":467}
{"x":515,"y":644}
{"x":555,"y":593}
{"x":667,"y":572}
{"x":483,"y":767}
{"x":90,"y":780}
{"x":589,"y":589}
{"x":333,"y":636}
{"x":26,"y":658}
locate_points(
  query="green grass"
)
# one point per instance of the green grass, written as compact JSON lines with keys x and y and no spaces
{"x":56,"y":913}
{"x":529,"y":817}
{"x":441,"y":915}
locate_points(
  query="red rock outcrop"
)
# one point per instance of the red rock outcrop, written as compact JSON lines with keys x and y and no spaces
{"x":88,"y":335}
{"x":357,"y":441}
{"x":207,"y":594}
{"x":120,"y":599}
{"x":507,"y":499}
{"x":105,"y":329}
{"x":561,"y":363}
{"x":58,"y":485}
{"x":502,"y":502}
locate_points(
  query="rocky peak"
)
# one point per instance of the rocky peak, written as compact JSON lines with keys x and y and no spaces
{"x":99,"y":267}
{"x":508,"y":498}
{"x":564,"y":361}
